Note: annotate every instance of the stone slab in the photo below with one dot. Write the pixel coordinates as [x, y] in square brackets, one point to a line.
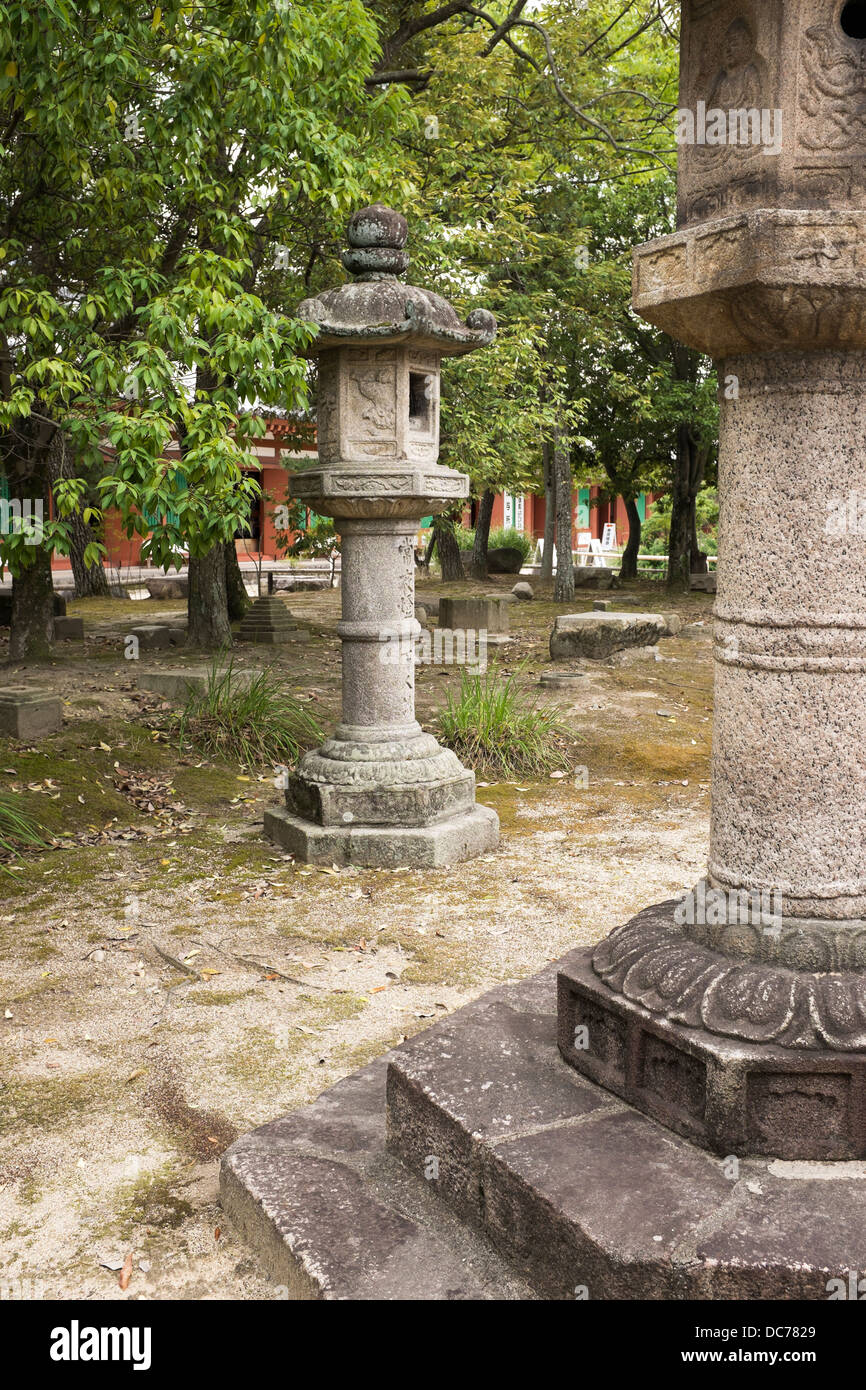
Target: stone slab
[386, 847]
[703, 583]
[634, 656]
[6, 608]
[151, 637]
[490, 615]
[29, 714]
[594, 577]
[175, 683]
[595, 636]
[68, 629]
[274, 638]
[332, 1216]
[544, 1184]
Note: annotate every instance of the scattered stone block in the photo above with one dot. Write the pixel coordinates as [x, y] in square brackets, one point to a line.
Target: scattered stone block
[269, 621]
[703, 583]
[523, 591]
[634, 656]
[488, 614]
[421, 615]
[594, 577]
[595, 636]
[504, 559]
[152, 637]
[29, 714]
[601, 605]
[177, 636]
[693, 632]
[6, 608]
[69, 629]
[561, 680]
[176, 682]
[431, 606]
[169, 587]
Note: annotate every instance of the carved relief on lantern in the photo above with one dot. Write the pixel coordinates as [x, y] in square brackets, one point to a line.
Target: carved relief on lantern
[729, 154]
[370, 403]
[832, 89]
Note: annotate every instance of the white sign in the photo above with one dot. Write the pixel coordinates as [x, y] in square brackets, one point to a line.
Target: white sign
[608, 538]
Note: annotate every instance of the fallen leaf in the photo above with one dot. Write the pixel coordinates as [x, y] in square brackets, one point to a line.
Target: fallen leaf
[126, 1272]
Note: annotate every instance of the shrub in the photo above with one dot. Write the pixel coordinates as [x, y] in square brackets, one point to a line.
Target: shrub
[508, 537]
[493, 725]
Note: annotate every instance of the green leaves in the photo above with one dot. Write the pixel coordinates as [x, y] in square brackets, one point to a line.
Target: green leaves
[153, 160]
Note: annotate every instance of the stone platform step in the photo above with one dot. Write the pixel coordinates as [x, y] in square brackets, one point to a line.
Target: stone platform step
[333, 1216]
[481, 1166]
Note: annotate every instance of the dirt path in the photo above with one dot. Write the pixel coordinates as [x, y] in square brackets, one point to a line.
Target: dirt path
[168, 979]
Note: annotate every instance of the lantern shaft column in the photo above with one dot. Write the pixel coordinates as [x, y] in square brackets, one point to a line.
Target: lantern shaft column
[378, 629]
[738, 1015]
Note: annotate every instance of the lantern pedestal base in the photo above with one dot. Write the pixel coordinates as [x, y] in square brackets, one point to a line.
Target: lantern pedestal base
[449, 841]
[632, 1018]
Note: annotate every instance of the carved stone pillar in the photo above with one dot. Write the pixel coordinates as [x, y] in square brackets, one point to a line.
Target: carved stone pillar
[380, 792]
[739, 1018]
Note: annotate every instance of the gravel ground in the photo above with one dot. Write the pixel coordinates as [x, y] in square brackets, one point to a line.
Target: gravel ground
[168, 979]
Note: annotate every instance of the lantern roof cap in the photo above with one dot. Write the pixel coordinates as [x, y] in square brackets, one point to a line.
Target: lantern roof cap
[375, 307]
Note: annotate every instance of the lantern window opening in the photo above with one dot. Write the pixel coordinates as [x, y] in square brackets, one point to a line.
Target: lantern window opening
[853, 19]
[420, 400]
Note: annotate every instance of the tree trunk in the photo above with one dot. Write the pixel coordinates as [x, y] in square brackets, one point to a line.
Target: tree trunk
[698, 560]
[237, 598]
[563, 591]
[207, 605]
[32, 631]
[91, 581]
[478, 564]
[549, 513]
[691, 461]
[628, 569]
[448, 550]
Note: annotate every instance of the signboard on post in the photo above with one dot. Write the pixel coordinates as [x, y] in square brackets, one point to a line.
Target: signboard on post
[608, 536]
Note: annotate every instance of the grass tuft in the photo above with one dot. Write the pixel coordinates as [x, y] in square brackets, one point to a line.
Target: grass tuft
[252, 722]
[18, 831]
[495, 727]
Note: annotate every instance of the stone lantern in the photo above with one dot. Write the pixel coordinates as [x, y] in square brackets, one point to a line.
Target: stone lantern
[380, 791]
[739, 1017]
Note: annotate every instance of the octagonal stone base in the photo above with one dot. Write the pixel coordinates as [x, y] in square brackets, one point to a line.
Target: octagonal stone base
[544, 1184]
[449, 841]
[731, 1096]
